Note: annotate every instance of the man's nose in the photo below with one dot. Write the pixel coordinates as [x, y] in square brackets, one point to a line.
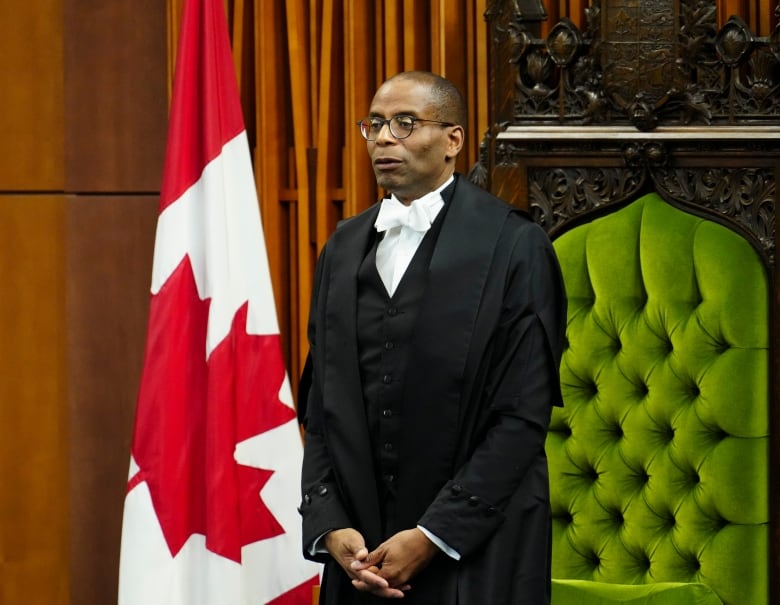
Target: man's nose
[384, 135]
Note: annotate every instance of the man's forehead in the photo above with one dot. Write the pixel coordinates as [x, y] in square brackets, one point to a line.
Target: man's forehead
[403, 95]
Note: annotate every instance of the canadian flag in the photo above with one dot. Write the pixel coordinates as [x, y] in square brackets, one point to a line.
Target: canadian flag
[210, 512]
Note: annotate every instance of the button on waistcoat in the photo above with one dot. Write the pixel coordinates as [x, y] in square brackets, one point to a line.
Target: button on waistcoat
[384, 327]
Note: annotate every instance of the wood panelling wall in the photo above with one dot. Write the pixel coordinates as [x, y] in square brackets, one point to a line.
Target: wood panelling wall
[32, 126]
[34, 536]
[116, 109]
[757, 14]
[83, 112]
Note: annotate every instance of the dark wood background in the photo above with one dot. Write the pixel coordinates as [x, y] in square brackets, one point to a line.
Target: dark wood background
[83, 114]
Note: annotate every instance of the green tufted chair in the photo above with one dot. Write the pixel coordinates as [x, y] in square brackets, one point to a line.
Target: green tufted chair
[659, 458]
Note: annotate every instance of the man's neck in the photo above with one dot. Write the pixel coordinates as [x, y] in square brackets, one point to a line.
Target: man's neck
[409, 201]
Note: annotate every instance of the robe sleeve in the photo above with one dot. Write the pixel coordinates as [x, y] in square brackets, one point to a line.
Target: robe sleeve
[521, 387]
[321, 507]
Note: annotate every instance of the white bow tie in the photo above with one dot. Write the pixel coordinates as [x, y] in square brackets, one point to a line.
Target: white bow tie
[393, 213]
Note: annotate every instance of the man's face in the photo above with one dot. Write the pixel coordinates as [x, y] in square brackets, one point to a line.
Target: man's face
[423, 161]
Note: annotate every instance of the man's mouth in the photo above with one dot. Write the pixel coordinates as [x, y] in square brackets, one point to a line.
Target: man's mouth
[386, 163]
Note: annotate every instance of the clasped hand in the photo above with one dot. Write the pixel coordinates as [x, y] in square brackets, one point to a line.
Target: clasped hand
[385, 571]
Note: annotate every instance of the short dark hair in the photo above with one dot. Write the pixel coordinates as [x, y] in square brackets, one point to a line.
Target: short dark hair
[448, 100]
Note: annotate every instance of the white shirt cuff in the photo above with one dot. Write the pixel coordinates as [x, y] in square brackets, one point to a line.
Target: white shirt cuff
[443, 546]
[318, 546]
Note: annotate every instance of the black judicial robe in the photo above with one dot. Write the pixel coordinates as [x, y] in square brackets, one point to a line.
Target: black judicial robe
[478, 391]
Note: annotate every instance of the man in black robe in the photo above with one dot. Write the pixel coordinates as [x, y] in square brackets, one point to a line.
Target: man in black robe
[436, 327]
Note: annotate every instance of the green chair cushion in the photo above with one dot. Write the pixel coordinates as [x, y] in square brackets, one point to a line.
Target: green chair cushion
[583, 592]
[659, 459]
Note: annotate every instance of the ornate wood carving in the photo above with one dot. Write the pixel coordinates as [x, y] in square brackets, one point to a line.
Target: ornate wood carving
[745, 195]
[639, 62]
[560, 197]
[649, 95]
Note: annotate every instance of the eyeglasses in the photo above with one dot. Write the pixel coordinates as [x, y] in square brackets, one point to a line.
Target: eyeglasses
[400, 126]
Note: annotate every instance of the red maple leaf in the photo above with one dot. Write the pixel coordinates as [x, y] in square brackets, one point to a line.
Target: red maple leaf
[192, 413]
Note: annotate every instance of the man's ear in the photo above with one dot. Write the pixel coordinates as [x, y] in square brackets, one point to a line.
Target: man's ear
[455, 141]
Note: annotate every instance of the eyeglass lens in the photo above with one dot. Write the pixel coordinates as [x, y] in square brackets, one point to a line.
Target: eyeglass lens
[400, 127]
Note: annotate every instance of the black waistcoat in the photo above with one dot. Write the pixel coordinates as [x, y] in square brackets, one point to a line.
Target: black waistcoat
[384, 328]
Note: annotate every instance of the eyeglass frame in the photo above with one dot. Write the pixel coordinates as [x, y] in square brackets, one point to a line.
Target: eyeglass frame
[388, 121]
